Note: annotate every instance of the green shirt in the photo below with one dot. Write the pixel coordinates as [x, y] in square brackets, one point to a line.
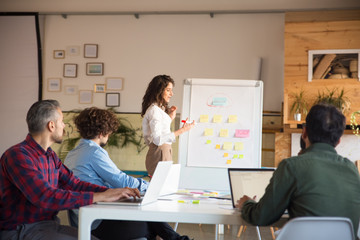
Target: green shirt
[317, 183]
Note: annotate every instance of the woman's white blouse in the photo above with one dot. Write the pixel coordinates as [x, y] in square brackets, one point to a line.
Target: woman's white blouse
[156, 126]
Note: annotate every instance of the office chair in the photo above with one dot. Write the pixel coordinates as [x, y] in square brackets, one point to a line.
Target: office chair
[317, 228]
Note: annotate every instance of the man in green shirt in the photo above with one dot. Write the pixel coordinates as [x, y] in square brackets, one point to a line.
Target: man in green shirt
[319, 182]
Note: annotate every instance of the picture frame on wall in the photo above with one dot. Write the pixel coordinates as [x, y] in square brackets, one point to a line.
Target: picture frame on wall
[94, 69]
[73, 50]
[114, 83]
[113, 99]
[99, 88]
[90, 50]
[85, 96]
[54, 84]
[70, 70]
[59, 54]
[70, 90]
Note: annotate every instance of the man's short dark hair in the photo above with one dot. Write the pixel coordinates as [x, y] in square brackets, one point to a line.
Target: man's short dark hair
[325, 124]
[40, 113]
[91, 122]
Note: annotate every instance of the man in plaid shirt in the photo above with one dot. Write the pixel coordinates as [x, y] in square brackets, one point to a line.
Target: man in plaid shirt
[35, 185]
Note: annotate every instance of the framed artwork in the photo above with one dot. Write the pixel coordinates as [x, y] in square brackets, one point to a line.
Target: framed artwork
[70, 70]
[94, 69]
[73, 50]
[85, 96]
[99, 88]
[70, 90]
[112, 99]
[90, 50]
[59, 54]
[114, 83]
[54, 84]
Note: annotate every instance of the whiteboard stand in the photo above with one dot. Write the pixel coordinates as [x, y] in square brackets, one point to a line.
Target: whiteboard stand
[237, 106]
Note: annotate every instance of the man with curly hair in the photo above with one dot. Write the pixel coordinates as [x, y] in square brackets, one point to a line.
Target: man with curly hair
[91, 163]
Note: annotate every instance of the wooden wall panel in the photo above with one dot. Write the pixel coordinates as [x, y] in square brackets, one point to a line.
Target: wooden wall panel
[303, 36]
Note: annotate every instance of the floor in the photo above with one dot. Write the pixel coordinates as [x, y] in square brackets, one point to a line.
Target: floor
[207, 232]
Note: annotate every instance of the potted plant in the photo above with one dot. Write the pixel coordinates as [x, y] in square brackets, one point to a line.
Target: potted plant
[299, 105]
[333, 97]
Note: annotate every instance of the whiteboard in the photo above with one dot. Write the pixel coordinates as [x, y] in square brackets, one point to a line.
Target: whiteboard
[348, 147]
[228, 116]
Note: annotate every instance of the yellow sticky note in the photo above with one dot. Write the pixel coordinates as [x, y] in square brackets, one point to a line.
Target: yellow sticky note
[224, 133]
[235, 156]
[208, 141]
[217, 119]
[226, 154]
[228, 161]
[239, 146]
[241, 155]
[232, 118]
[217, 146]
[208, 132]
[227, 146]
[204, 118]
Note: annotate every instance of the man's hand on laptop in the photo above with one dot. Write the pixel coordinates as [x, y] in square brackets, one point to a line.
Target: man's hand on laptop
[113, 194]
[242, 200]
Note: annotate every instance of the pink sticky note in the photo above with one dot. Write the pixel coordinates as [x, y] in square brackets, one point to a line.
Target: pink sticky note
[242, 133]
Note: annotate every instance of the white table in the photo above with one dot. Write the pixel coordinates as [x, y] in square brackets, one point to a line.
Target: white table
[206, 212]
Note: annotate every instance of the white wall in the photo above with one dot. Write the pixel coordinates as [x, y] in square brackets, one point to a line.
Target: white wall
[19, 78]
[183, 46]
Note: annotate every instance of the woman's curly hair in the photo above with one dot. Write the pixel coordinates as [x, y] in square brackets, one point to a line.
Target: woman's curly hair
[91, 122]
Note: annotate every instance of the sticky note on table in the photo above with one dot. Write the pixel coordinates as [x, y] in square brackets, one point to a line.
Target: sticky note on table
[217, 119]
[228, 161]
[208, 141]
[232, 119]
[226, 154]
[227, 145]
[242, 133]
[208, 132]
[204, 118]
[241, 155]
[224, 133]
[217, 146]
[239, 146]
[235, 156]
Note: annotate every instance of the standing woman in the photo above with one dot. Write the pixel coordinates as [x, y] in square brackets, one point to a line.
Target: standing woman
[157, 120]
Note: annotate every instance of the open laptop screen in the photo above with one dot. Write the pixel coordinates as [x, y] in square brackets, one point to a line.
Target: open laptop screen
[248, 181]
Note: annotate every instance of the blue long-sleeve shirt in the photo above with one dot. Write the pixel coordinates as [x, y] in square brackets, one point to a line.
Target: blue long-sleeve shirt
[91, 163]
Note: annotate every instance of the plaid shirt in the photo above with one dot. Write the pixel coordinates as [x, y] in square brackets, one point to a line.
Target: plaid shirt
[35, 185]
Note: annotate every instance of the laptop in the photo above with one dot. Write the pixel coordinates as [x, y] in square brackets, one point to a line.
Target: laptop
[153, 192]
[171, 184]
[248, 181]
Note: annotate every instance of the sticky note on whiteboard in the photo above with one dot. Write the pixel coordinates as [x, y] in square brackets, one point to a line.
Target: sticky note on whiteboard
[217, 119]
[232, 119]
[219, 101]
[208, 132]
[204, 118]
[224, 133]
[227, 145]
[238, 146]
[242, 133]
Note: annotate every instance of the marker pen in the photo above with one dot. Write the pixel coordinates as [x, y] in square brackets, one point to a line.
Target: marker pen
[183, 121]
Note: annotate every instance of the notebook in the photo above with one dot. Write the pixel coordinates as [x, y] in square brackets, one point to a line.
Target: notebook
[153, 192]
[248, 181]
